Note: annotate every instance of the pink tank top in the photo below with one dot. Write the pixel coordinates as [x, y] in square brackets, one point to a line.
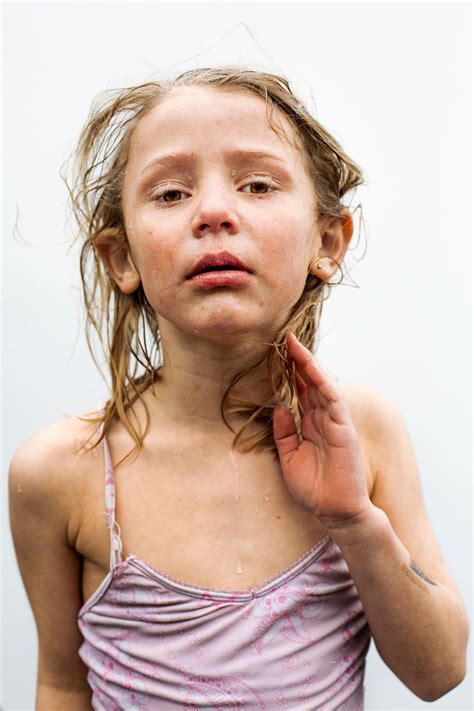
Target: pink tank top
[298, 641]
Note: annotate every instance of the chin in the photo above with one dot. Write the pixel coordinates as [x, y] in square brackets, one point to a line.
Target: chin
[223, 320]
[222, 327]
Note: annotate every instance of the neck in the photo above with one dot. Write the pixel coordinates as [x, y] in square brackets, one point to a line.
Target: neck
[197, 371]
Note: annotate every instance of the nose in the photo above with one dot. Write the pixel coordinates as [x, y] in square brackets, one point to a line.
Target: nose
[215, 211]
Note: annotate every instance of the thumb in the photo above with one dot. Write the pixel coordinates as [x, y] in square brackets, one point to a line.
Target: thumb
[284, 432]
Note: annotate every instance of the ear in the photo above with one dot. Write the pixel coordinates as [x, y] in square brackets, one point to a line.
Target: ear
[112, 247]
[335, 236]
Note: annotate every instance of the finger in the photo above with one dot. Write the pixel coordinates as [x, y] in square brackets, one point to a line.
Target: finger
[311, 370]
[325, 394]
[307, 393]
[303, 397]
[313, 397]
[303, 401]
[321, 388]
[284, 432]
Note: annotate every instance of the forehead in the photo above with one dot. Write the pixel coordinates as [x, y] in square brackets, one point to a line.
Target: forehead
[212, 116]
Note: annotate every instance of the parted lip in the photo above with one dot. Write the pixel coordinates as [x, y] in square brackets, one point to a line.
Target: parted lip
[217, 259]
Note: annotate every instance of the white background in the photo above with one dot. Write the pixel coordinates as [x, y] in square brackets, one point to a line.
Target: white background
[393, 84]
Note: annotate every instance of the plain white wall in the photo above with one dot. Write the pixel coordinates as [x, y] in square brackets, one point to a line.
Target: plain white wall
[392, 82]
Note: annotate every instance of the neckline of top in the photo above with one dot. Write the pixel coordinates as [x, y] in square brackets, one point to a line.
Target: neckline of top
[274, 582]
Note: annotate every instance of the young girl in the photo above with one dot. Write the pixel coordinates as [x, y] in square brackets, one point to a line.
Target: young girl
[271, 519]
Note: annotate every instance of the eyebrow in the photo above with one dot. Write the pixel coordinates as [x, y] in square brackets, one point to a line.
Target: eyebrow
[237, 155]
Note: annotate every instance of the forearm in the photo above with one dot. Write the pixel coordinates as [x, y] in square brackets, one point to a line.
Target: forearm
[419, 627]
[52, 698]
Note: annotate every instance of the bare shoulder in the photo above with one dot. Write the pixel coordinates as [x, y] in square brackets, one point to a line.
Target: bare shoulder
[56, 445]
[382, 431]
[368, 408]
[371, 409]
[378, 420]
[355, 395]
[49, 466]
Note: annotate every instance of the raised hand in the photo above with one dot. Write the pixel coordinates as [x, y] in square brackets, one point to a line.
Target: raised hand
[324, 471]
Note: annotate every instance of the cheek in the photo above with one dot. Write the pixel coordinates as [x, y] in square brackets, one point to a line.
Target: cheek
[159, 257]
[165, 259]
[287, 254]
[285, 249]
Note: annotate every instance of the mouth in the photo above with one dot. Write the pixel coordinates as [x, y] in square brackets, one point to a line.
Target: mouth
[223, 268]
[221, 276]
[218, 262]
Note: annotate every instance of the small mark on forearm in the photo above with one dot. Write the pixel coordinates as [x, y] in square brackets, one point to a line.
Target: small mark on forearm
[419, 572]
[415, 573]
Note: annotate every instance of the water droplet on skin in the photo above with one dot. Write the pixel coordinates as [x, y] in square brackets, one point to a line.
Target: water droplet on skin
[238, 569]
[233, 172]
[18, 488]
[236, 470]
[266, 494]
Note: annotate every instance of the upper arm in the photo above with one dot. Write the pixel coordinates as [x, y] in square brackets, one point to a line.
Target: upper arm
[397, 487]
[40, 494]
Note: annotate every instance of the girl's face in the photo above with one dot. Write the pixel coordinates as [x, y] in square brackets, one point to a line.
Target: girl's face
[207, 174]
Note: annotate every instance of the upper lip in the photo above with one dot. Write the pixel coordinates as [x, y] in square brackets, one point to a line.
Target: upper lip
[217, 259]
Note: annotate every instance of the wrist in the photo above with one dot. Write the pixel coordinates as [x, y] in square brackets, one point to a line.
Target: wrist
[359, 529]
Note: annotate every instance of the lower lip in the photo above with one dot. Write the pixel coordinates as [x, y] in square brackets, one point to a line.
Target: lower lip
[224, 277]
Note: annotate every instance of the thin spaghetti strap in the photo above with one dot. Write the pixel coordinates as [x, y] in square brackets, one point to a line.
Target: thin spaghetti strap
[109, 495]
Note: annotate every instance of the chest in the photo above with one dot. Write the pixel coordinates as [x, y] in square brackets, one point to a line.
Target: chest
[213, 518]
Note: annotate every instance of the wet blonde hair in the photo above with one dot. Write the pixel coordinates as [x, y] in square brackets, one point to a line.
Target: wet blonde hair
[122, 321]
